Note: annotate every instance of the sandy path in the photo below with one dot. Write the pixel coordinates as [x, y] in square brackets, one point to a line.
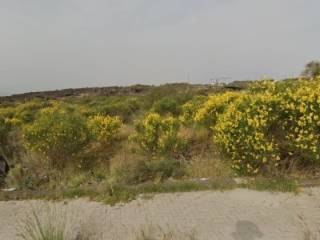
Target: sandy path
[236, 215]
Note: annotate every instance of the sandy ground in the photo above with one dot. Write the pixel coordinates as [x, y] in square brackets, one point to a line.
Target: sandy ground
[236, 215]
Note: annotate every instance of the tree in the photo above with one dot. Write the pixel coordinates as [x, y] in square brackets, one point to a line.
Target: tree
[312, 69]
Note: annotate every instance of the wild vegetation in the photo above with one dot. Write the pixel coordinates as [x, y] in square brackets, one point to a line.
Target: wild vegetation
[270, 129]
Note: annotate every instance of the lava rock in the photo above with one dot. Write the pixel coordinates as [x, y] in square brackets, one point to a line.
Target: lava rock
[4, 169]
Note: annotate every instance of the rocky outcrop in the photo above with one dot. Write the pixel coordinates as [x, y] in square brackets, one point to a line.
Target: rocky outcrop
[4, 169]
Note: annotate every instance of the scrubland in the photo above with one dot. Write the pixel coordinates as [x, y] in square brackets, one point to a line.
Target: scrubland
[170, 138]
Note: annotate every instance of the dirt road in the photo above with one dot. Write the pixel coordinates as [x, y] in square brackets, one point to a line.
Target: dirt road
[232, 215]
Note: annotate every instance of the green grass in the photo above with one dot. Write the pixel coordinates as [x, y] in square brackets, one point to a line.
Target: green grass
[115, 193]
[273, 185]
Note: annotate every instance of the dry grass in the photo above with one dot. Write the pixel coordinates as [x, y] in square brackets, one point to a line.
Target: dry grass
[46, 223]
[208, 167]
[52, 223]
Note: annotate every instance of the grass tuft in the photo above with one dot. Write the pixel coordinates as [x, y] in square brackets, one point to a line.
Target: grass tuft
[50, 226]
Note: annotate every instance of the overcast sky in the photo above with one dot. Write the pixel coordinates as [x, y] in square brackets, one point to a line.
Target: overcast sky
[46, 44]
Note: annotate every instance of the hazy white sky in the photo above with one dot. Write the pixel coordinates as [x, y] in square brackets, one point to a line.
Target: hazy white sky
[48, 44]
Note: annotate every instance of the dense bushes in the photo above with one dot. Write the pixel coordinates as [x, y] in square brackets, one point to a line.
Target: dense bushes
[124, 107]
[245, 132]
[276, 127]
[269, 127]
[300, 122]
[166, 106]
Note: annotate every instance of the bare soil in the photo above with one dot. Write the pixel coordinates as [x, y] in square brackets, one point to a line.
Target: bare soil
[238, 214]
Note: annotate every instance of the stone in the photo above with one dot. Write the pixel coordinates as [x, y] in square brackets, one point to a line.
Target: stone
[4, 169]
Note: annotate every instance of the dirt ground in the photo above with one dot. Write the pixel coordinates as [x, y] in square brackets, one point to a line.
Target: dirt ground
[238, 214]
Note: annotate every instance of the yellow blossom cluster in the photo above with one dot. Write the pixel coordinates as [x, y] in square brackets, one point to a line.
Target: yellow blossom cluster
[209, 113]
[156, 134]
[243, 132]
[301, 121]
[104, 128]
[190, 108]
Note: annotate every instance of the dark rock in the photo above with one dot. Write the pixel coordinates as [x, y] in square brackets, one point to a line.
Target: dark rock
[4, 169]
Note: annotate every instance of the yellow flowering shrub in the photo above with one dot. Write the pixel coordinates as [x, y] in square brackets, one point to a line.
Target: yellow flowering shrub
[300, 110]
[57, 134]
[273, 126]
[104, 128]
[209, 113]
[243, 133]
[156, 134]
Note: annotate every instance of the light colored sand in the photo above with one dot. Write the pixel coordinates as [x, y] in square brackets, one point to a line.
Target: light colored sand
[233, 215]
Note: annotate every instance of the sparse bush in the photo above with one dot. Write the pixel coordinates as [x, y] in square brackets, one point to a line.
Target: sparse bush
[147, 170]
[104, 128]
[158, 135]
[57, 134]
[21, 177]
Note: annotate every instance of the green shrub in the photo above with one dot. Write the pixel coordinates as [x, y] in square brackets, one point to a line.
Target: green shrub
[190, 108]
[158, 135]
[144, 170]
[125, 107]
[22, 178]
[166, 106]
[27, 112]
[5, 128]
[57, 134]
